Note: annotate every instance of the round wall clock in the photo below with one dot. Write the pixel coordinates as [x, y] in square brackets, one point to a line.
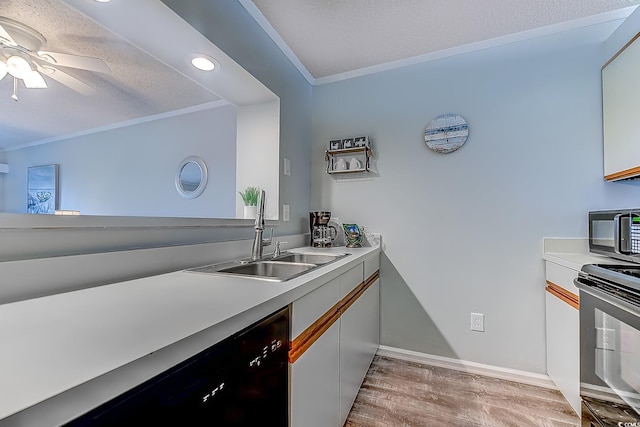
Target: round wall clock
[446, 133]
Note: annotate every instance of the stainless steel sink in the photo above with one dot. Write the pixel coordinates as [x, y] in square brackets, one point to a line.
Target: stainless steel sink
[309, 258]
[273, 269]
[285, 267]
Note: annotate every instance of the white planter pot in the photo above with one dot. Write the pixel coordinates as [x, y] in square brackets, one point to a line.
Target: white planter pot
[250, 212]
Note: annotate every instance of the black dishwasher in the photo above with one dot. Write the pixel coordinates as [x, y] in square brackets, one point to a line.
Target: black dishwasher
[241, 381]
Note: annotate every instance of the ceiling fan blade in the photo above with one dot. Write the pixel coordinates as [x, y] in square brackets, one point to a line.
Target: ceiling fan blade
[6, 37]
[75, 61]
[67, 80]
[34, 81]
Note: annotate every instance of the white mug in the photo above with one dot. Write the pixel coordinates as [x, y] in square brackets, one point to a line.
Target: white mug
[340, 165]
[355, 164]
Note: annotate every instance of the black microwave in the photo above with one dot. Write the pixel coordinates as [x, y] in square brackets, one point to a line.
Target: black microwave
[615, 233]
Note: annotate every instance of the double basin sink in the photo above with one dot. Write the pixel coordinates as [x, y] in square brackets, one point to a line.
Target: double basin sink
[275, 269]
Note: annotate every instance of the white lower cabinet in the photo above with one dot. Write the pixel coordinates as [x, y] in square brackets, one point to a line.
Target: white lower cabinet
[359, 339]
[563, 348]
[315, 377]
[563, 333]
[326, 376]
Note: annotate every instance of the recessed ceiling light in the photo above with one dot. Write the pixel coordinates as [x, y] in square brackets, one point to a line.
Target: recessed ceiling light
[103, 1]
[204, 63]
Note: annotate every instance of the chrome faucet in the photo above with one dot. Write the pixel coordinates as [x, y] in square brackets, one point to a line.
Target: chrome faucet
[276, 250]
[258, 241]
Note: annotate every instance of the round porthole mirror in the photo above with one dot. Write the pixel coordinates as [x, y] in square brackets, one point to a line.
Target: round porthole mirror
[191, 177]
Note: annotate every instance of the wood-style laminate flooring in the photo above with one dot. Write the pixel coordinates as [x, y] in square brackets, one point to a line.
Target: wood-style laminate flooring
[397, 393]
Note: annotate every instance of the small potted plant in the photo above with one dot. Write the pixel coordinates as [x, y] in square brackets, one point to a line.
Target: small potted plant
[250, 198]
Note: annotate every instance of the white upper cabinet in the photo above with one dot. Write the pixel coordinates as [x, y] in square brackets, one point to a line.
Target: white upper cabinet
[620, 112]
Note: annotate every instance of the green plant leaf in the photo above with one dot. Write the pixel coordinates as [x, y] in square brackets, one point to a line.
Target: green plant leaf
[250, 195]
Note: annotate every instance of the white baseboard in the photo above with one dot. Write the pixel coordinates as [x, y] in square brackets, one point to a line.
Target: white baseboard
[539, 380]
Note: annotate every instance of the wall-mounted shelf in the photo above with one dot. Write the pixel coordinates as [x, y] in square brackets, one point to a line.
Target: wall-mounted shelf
[351, 160]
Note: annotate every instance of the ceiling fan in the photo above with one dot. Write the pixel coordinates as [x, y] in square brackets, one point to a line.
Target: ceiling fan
[22, 58]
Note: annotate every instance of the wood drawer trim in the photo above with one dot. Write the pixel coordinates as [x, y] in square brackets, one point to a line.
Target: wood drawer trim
[302, 342]
[625, 174]
[567, 296]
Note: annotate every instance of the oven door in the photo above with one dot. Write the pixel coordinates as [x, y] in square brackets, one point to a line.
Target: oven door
[609, 355]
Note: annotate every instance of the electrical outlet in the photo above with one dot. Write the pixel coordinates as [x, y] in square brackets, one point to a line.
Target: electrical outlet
[477, 322]
[605, 339]
[285, 212]
[287, 166]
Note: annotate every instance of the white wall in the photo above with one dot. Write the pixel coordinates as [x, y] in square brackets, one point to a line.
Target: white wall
[258, 148]
[463, 231]
[130, 171]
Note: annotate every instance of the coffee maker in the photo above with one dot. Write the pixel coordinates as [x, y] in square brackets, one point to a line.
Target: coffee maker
[322, 234]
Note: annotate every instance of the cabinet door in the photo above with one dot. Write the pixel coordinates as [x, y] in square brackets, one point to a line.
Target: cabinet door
[563, 348]
[620, 87]
[371, 329]
[359, 338]
[315, 380]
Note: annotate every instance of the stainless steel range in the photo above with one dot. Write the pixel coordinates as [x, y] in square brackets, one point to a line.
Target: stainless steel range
[610, 344]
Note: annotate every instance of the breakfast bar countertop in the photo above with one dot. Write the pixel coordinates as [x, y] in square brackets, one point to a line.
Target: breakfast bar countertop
[96, 343]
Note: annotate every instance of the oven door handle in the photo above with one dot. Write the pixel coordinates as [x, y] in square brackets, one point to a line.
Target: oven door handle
[583, 285]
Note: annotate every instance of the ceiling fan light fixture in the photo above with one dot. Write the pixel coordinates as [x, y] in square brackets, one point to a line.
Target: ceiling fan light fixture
[204, 63]
[3, 70]
[34, 80]
[18, 67]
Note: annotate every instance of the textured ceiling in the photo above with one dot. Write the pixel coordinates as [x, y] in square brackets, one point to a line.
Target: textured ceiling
[331, 37]
[138, 86]
[327, 38]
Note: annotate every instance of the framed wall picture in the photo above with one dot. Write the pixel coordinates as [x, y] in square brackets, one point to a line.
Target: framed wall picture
[42, 189]
[336, 144]
[360, 142]
[347, 143]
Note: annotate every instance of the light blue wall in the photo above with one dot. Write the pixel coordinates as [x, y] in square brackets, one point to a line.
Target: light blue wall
[463, 231]
[130, 171]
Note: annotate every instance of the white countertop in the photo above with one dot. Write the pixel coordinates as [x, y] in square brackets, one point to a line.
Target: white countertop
[55, 343]
[573, 253]
[575, 261]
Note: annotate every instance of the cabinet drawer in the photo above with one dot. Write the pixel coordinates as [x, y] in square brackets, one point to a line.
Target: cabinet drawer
[561, 276]
[312, 306]
[350, 279]
[371, 265]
